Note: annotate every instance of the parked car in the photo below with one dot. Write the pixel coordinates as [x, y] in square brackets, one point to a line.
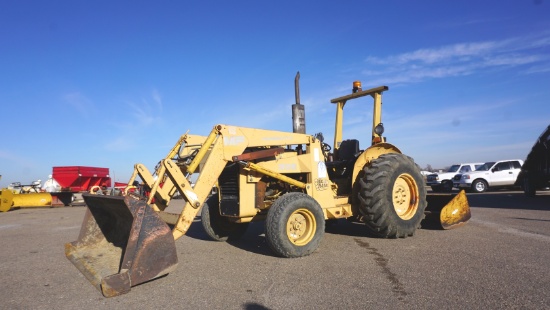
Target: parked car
[443, 182]
[535, 172]
[502, 173]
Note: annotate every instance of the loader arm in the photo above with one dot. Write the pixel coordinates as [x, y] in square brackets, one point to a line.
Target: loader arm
[162, 187]
[223, 144]
[173, 152]
[219, 148]
[195, 197]
[162, 194]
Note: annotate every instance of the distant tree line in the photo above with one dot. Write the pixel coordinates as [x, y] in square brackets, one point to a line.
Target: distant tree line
[431, 169]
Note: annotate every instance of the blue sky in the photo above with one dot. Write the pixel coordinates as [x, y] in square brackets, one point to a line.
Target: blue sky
[114, 83]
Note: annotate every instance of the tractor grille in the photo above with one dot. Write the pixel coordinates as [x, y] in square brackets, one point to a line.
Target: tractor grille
[229, 190]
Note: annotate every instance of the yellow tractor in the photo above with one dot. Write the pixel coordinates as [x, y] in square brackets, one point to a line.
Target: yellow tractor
[293, 181]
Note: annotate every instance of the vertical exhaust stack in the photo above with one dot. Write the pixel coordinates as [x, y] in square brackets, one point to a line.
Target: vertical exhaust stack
[298, 110]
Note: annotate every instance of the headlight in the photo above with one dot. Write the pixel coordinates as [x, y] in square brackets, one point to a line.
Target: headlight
[379, 129]
[466, 177]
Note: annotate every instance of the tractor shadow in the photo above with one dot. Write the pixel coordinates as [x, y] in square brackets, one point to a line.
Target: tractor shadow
[254, 240]
[509, 200]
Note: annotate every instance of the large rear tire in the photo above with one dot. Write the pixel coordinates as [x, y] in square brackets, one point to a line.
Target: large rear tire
[295, 225]
[218, 227]
[392, 197]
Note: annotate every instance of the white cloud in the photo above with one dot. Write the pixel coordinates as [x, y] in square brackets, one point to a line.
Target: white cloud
[537, 69]
[157, 98]
[148, 111]
[80, 102]
[512, 60]
[120, 143]
[135, 122]
[458, 60]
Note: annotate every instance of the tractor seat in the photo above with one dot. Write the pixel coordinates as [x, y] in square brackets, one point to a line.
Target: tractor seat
[348, 150]
[344, 159]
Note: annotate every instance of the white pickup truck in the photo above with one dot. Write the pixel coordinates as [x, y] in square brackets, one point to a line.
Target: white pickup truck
[502, 173]
[443, 182]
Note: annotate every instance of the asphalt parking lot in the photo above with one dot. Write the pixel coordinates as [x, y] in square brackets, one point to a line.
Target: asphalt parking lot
[498, 260]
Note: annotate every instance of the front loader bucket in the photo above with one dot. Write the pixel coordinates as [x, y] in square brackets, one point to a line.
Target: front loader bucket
[447, 211]
[122, 243]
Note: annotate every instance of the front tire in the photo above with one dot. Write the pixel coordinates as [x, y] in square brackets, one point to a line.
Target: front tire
[447, 186]
[479, 186]
[218, 227]
[295, 225]
[392, 197]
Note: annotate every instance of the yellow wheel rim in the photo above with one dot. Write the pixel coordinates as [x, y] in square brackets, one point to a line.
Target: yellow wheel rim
[405, 196]
[300, 227]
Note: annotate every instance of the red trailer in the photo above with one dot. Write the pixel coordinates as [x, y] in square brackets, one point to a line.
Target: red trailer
[80, 178]
[75, 179]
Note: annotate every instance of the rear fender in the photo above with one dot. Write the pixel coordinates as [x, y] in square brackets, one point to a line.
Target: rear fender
[370, 154]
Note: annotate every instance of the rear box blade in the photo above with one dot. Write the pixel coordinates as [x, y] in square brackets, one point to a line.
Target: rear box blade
[447, 211]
